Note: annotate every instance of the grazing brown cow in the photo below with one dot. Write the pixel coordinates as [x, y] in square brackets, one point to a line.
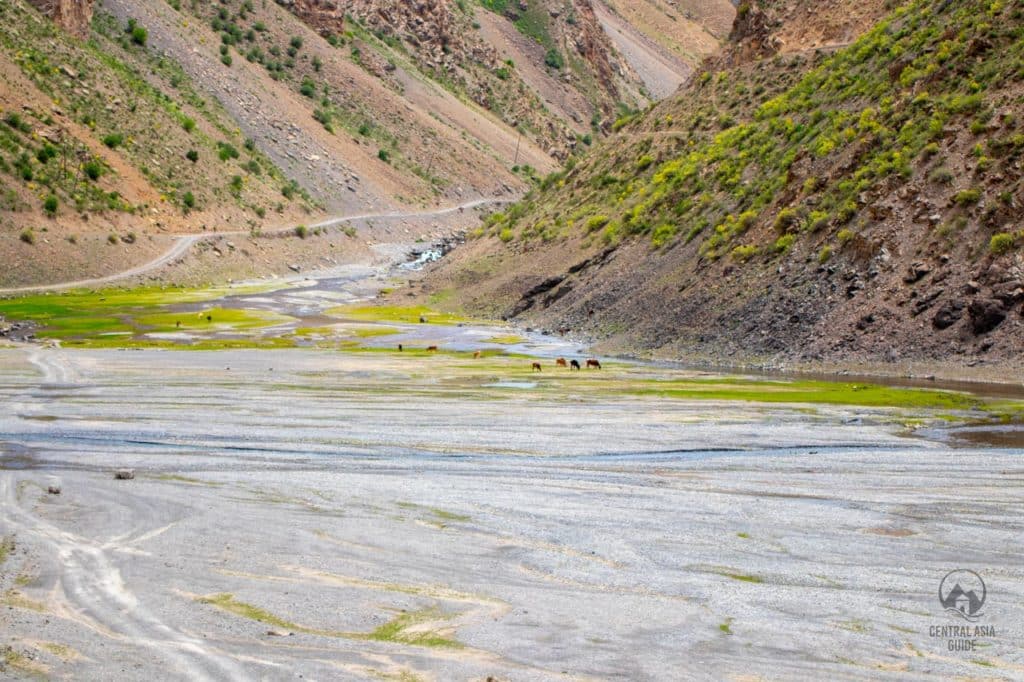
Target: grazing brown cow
[574, 365]
[560, 362]
[432, 349]
[537, 367]
[476, 355]
[593, 363]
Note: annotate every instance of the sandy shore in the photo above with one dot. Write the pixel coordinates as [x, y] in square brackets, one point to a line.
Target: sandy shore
[331, 516]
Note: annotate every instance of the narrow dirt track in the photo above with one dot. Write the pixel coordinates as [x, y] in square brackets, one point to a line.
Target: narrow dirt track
[185, 242]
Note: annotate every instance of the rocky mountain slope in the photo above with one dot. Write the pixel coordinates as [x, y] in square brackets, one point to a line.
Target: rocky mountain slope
[98, 158]
[842, 202]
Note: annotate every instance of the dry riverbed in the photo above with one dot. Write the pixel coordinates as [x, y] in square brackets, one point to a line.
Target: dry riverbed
[370, 515]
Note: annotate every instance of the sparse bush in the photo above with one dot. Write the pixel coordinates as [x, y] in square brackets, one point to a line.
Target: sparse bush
[967, 197]
[140, 36]
[825, 254]
[45, 153]
[786, 219]
[192, 155]
[112, 238]
[662, 234]
[817, 220]
[384, 155]
[308, 87]
[941, 175]
[50, 204]
[28, 236]
[226, 60]
[744, 253]
[554, 59]
[129, 238]
[301, 231]
[113, 140]
[783, 243]
[93, 170]
[596, 222]
[189, 124]
[188, 201]
[845, 235]
[644, 162]
[226, 151]
[1001, 243]
[506, 235]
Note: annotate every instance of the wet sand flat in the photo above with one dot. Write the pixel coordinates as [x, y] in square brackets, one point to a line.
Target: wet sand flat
[367, 516]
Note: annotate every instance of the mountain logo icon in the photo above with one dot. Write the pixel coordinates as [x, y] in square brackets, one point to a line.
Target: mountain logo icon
[962, 593]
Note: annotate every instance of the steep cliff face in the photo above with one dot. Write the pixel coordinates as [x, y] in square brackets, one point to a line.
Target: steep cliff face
[585, 37]
[73, 16]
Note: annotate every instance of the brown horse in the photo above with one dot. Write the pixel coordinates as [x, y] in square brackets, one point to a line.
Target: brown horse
[560, 362]
[593, 363]
[431, 349]
[574, 365]
[537, 367]
[476, 355]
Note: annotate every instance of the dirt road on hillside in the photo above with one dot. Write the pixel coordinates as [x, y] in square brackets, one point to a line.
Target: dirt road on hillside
[184, 243]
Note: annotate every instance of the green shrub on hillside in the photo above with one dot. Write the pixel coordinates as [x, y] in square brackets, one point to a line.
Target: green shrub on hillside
[1002, 243]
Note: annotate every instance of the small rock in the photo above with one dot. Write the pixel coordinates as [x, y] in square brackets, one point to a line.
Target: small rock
[948, 314]
[124, 474]
[916, 272]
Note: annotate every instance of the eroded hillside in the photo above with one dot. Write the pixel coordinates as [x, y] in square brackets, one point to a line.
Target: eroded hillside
[857, 201]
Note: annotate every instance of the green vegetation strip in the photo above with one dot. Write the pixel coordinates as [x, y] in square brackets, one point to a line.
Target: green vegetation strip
[406, 628]
[6, 547]
[394, 313]
[813, 392]
[117, 318]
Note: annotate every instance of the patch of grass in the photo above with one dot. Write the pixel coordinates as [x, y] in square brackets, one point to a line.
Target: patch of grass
[60, 650]
[227, 602]
[812, 392]
[116, 317]
[403, 630]
[507, 340]
[6, 548]
[393, 313]
[177, 478]
[406, 628]
[726, 627]
[16, 599]
[745, 536]
[742, 577]
[22, 663]
[449, 516]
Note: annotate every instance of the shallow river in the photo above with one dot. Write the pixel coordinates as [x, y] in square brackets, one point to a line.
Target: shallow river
[323, 515]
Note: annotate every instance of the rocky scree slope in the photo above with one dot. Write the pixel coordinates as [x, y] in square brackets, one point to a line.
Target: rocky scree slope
[851, 203]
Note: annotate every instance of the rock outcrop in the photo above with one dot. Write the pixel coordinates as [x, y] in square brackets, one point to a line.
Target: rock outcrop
[326, 16]
[74, 16]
